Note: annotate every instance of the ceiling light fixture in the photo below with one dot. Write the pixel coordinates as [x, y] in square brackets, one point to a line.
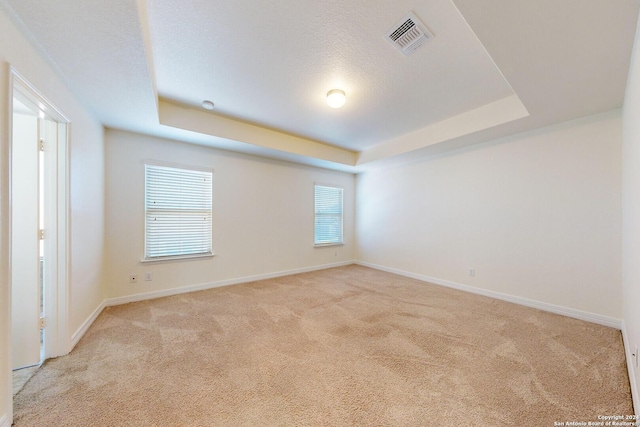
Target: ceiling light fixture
[207, 105]
[336, 98]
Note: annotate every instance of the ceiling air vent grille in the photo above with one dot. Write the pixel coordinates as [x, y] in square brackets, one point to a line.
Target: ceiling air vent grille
[409, 34]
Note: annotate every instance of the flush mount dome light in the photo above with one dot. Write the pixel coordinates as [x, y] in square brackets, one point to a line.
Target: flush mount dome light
[207, 105]
[336, 98]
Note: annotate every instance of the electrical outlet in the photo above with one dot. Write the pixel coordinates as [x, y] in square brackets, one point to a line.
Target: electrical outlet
[148, 277]
[472, 272]
[336, 253]
[133, 278]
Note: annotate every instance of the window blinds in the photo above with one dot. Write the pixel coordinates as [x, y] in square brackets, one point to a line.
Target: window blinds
[328, 215]
[178, 212]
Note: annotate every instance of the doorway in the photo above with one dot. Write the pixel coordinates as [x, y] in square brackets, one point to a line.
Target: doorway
[38, 266]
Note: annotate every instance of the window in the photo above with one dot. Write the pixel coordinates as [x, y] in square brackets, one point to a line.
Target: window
[328, 217]
[177, 212]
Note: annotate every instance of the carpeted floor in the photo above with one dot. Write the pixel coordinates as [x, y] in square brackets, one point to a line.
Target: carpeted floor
[21, 376]
[349, 346]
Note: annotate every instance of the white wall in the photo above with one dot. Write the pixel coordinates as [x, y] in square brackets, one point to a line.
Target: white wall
[631, 215]
[87, 207]
[537, 215]
[262, 222]
[87, 192]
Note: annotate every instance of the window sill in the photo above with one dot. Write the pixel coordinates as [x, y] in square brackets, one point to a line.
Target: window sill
[177, 258]
[322, 245]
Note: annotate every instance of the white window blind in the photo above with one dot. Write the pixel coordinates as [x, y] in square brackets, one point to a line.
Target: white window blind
[328, 215]
[178, 212]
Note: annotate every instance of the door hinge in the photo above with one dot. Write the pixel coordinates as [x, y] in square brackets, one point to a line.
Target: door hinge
[41, 148]
[41, 234]
[43, 323]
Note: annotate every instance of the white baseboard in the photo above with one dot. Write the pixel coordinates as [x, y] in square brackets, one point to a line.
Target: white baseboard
[203, 286]
[557, 309]
[4, 421]
[86, 325]
[628, 350]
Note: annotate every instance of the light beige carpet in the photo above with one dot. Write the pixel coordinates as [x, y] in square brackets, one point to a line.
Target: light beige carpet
[349, 346]
[21, 376]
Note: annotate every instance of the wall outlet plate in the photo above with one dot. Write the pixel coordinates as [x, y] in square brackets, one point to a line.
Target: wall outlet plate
[133, 278]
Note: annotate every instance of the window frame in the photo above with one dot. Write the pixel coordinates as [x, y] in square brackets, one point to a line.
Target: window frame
[315, 216]
[188, 256]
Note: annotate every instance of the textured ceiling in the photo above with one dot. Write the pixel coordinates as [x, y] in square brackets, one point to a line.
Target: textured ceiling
[97, 48]
[494, 67]
[274, 65]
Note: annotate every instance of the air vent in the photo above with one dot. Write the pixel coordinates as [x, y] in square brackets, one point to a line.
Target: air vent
[409, 34]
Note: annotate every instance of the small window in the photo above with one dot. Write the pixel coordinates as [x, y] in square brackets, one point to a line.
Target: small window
[178, 212]
[328, 215]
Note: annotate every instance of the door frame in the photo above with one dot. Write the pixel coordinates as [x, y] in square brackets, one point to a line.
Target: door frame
[57, 341]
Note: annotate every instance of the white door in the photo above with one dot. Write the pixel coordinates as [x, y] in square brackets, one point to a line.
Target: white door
[39, 201]
[25, 236]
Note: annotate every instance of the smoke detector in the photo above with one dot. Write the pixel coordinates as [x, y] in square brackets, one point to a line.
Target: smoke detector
[409, 34]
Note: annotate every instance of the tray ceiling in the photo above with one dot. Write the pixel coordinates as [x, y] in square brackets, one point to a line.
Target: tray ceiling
[492, 68]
